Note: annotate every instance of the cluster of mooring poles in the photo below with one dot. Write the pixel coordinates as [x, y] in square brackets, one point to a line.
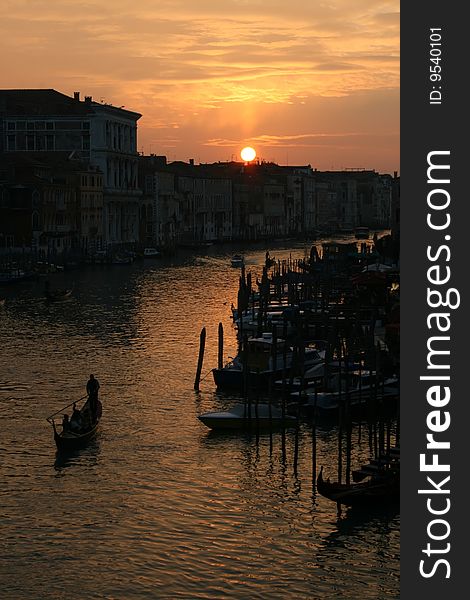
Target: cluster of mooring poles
[319, 340]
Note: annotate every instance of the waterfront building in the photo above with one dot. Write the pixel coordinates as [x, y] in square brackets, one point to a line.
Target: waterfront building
[374, 199]
[337, 200]
[103, 135]
[270, 200]
[206, 198]
[20, 208]
[278, 218]
[160, 210]
[301, 198]
[354, 197]
[325, 205]
[395, 214]
[91, 210]
[51, 203]
[184, 202]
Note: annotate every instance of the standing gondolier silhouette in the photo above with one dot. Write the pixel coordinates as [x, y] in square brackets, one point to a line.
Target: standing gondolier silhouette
[92, 387]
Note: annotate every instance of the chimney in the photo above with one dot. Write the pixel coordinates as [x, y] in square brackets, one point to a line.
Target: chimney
[87, 99]
[191, 161]
[76, 96]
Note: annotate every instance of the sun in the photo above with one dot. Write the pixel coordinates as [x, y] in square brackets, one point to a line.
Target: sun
[248, 154]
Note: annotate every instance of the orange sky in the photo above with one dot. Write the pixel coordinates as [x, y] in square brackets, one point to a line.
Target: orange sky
[303, 81]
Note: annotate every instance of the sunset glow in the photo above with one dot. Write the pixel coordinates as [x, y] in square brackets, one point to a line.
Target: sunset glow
[306, 82]
[248, 154]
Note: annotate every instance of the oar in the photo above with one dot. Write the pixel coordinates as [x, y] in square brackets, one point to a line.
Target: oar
[68, 405]
[207, 374]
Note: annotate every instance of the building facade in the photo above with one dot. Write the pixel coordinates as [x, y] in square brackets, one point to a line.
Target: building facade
[102, 135]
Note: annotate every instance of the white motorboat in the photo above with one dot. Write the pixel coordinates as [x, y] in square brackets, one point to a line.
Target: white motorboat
[377, 268]
[151, 253]
[356, 388]
[244, 416]
[312, 376]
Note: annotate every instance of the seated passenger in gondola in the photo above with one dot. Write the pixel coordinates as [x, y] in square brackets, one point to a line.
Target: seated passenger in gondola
[76, 419]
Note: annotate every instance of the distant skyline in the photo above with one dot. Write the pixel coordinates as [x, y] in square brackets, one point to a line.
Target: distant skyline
[301, 81]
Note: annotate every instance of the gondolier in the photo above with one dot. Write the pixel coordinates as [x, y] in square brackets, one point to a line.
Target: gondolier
[92, 388]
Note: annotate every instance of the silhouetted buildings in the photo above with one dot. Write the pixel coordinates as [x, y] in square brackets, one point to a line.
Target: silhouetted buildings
[103, 136]
[72, 181]
[51, 203]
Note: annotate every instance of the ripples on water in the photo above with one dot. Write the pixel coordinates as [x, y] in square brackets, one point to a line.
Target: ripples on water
[157, 506]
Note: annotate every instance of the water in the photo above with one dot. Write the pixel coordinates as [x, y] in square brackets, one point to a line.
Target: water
[157, 506]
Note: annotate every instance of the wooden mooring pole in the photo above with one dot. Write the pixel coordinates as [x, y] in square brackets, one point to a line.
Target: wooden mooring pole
[200, 360]
[220, 361]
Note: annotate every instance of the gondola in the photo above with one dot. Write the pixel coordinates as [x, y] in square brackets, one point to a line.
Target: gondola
[73, 440]
[385, 488]
[57, 295]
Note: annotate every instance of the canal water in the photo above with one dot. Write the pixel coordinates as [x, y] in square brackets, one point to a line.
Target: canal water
[157, 506]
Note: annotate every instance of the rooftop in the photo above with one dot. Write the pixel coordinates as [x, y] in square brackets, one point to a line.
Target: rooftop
[49, 102]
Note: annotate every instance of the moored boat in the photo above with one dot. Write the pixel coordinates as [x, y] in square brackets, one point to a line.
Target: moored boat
[248, 416]
[57, 295]
[377, 490]
[262, 363]
[14, 276]
[122, 259]
[355, 388]
[151, 253]
[313, 376]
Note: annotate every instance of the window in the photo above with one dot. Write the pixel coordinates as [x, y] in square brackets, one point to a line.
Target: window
[50, 125]
[30, 125]
[68, 125]
[11, 143]
[35, 221]
[40, 142]
[11, 125]
[30, 142]
[86, 125]
[49, 142]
